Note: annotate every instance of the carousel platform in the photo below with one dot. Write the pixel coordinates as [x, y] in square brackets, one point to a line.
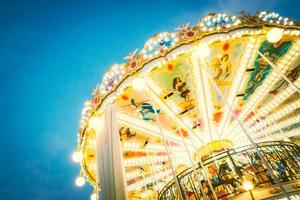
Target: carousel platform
[240, 174]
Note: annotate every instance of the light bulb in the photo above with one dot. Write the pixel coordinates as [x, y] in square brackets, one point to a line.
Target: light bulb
[138, 84]
[274, 35]
[248, 185]
[94, 196]
[203, 50]
[94, 122]
[77, 156]
[146, 194]
[80, 181]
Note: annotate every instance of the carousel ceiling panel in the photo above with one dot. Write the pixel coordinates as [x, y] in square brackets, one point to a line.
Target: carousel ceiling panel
[185, 93]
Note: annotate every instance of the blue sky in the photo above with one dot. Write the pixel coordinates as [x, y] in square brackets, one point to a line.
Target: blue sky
[52, 54]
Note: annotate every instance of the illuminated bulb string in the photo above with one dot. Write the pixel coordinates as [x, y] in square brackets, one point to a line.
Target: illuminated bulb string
[261, 91]
[248, 58]
[139, 125]
[295, 87]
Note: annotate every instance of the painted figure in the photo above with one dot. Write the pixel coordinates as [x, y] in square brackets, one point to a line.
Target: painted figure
[125, 133]
[261, 67]
[145, 109]
[181, 87]
[222, 67]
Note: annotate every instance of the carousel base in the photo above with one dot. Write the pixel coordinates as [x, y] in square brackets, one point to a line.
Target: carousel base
[228, 172]
[272, 192]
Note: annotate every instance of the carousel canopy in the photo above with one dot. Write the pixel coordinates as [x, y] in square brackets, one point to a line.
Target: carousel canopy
[202, 86]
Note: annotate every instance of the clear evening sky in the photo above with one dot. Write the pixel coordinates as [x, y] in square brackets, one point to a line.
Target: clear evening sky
[52, 55]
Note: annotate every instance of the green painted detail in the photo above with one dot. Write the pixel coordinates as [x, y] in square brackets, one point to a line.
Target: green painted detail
[261, 67]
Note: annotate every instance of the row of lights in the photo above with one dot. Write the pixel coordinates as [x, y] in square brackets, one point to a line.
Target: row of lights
[248, 58]
[139, 184]
[159, 43]
[202, 51]
[279, 98]
[273, 17]
[115, 74]
[280, 113]
[80, 181]
[280, 125]
[134, 146]
[219, 21]
[139, 172]
[147, 128]
[275, 127]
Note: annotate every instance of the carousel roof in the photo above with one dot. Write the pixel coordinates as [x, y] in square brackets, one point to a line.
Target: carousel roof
[197, 80]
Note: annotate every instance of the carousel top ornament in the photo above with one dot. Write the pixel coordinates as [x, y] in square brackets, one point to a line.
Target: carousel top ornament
[196, 86]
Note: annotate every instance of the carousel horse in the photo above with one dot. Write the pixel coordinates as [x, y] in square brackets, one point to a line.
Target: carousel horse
[280, 166]
[222, 176]
[145, 109]
[261, 172]
[225, 174]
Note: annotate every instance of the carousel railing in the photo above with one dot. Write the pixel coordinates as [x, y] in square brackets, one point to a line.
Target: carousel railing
[227, 171]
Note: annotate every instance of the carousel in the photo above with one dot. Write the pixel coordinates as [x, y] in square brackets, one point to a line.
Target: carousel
[211, 111]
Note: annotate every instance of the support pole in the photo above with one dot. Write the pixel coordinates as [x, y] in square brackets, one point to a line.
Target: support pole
[109, 158]
[208, 179]
[192, 164]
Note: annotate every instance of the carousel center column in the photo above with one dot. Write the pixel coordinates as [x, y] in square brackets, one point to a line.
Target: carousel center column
[110, 170]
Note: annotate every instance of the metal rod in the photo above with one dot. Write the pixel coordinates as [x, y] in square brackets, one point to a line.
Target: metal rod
[166, 147]
[208, 179]
[192, 163]
[275, 69]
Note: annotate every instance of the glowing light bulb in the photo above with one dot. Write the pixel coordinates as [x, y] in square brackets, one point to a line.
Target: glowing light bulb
[248, 185]
[94, 196]
[274, 35]
[80, 181]
[145, 194]
[203, 50]
[77, 156]
[94, 122]
[138, 84]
